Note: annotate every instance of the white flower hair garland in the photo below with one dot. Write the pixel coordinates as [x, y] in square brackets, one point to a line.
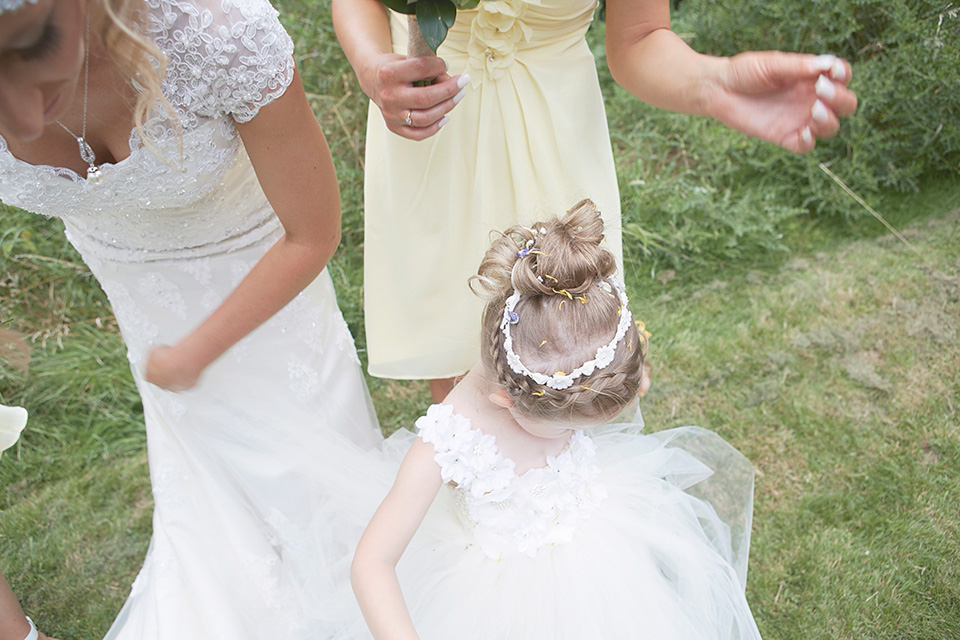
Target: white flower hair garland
[561, 380]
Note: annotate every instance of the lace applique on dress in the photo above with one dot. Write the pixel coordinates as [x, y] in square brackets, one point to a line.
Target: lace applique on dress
[304, 379]
[511, 513]
[193, 194]
[228, 57]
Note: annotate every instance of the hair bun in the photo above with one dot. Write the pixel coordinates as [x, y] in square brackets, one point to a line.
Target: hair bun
[559, 255]
[569, 256]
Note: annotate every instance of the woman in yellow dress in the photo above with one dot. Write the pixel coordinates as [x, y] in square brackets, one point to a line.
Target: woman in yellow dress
[529, 134]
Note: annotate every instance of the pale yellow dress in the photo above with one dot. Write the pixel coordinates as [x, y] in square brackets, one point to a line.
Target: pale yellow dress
[527, 142]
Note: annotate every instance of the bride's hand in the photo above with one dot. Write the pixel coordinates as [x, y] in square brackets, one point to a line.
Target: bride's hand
[785, 98]
[170, 369]
[411, 111]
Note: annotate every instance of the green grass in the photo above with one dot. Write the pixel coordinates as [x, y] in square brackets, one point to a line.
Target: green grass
[829, 358]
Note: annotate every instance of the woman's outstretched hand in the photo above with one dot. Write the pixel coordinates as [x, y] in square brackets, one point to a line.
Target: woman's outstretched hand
[411, 111]
[785, 98]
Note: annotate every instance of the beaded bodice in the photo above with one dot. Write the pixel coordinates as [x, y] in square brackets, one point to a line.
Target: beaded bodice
[512, 513]
[194, 193]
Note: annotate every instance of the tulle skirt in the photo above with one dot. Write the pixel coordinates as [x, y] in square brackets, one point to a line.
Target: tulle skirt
[664, 557]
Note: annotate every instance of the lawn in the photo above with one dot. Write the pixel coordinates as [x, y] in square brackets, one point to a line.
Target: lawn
[828, 356]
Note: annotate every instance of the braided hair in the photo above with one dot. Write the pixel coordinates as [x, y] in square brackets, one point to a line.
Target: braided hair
[567, 310]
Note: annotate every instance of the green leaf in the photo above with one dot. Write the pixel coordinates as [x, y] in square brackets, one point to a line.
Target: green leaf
[466, 4]
[400, 6]
[435, 18]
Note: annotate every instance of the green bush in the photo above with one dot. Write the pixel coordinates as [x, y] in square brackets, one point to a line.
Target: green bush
[695, 191]
[906, 58]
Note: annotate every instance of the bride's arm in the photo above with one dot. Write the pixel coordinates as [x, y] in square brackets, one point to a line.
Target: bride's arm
[293, 164]
[373, 573]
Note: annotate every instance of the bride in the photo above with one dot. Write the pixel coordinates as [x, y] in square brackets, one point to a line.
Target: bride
[174, 140]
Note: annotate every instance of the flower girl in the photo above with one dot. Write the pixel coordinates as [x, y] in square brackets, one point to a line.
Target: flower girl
[506, 520]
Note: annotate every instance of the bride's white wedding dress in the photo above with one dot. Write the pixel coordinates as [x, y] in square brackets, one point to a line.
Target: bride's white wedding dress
[230, 461]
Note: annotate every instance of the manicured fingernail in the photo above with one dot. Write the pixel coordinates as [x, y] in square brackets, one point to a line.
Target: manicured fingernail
[823, 63]
[819, 112]
[457, 98]
[463, 80]
[825, 88]
[446, 65]
[806, 136]
[838, 71]
[444, 120]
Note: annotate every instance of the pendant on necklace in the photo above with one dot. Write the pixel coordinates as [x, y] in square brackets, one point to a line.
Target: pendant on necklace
[86, 152]
[94, 174]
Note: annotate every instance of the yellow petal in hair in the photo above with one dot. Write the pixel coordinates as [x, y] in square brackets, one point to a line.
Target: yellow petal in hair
[589, 389]
[642, 328]
[543, 343]
[537, 393]
[547, 275]
[559, 373]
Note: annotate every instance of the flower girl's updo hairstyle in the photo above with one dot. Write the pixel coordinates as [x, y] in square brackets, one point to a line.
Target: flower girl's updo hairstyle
[553, 301]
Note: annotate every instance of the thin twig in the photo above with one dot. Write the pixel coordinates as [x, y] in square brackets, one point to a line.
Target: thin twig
[32, 256]
[876, 215]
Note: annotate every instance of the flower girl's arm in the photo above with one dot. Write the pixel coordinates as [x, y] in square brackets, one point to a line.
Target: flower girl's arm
[293, 163]
[373, 573]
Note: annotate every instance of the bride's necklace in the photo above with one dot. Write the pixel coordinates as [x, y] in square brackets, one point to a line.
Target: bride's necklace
[94, 174]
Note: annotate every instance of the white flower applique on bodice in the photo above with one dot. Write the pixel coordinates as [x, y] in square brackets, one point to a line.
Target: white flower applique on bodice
[194, 193]
[511, 513]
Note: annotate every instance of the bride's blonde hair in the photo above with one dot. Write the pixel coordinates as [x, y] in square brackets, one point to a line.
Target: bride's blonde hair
[118, 25]
[567, 310]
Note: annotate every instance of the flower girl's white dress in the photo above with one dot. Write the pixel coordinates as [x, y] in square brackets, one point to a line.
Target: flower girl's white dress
[622, 536]
[169, 233]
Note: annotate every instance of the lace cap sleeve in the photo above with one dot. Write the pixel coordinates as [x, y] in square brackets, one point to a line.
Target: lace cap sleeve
[226, 57]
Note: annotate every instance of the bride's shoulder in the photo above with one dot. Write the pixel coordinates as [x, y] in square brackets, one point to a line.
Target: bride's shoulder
[223, 56]
[223, 19]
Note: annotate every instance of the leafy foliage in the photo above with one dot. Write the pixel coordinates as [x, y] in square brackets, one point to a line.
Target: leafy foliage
[435, 17]
[906, 58]
[695, 191]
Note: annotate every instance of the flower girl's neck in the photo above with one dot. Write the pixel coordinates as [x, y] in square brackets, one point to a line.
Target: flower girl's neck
[525, 441]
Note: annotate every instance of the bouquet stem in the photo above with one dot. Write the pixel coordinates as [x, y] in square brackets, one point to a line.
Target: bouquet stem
[417, 47]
